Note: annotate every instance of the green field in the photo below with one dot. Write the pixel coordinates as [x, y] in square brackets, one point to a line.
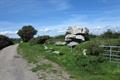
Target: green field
[69, 61]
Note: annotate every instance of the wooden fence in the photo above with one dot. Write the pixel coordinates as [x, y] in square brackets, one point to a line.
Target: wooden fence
[112, 53]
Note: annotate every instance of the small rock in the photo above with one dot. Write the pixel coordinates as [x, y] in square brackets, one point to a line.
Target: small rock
[56, 52]
[71, 44]
[45, 47]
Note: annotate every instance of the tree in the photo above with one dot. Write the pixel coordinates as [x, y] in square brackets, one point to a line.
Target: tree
[27, 33]
[110, 34]
[5, 41]
[107, 34]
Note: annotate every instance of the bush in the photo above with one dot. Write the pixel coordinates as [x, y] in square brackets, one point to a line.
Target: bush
[61, 37]
[111, 42]
[5, 41]
[16, 40]
[54, 39]
[92, 36]
[39, 40]
[90, 63]
[110, 34]
[93, 46]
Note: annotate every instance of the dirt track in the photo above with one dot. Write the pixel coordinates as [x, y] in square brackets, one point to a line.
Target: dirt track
[13, 67]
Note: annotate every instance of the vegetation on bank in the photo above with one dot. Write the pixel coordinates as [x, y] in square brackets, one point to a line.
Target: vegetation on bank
[90, 67]
[5, 41]
[93, 66]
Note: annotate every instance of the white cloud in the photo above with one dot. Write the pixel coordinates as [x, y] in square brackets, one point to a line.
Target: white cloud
[11, 34]
[62, 30]
[8, 32]
[47, 29]
[53, 30]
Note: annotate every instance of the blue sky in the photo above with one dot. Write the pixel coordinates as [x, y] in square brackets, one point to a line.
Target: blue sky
[54, 16]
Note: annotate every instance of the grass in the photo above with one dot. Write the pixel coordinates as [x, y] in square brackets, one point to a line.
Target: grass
[33, 53]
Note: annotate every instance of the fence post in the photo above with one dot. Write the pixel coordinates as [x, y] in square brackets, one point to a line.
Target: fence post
[110, 53]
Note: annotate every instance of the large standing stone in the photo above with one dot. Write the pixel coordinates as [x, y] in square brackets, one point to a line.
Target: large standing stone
[75, 34]
[77, 30]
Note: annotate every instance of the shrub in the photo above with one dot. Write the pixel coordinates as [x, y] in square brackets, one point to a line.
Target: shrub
[90, 63]
[39, 40]
[93, 46]
[112, 42]
[54, 39]
[92, 36]
[61, 37]
[110, 34]
[16, 40]
[5, 41]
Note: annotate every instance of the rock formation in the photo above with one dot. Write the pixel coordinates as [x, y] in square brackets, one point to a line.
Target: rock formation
[76, 34]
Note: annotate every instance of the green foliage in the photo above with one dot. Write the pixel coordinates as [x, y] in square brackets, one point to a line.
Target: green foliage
[52, 40]
[87, 37]
[92, 47]
[5, 41]
[92, 36]
[16, 40]
[27, 33]
[93, 61]
[39, 40]
[62, 37]
[90, 67]
[110, 34]
[90, 64]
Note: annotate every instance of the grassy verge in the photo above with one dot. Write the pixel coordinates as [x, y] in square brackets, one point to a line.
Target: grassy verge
[33, 53]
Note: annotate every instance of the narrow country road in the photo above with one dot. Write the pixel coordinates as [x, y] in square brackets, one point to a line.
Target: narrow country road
[13, 67]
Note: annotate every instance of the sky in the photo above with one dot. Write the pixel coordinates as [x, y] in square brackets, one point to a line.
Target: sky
[53, 17]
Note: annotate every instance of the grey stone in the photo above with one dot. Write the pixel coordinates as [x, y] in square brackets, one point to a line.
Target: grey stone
[45, 47]
[56, 52]
[71, 44]
[75, 35]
